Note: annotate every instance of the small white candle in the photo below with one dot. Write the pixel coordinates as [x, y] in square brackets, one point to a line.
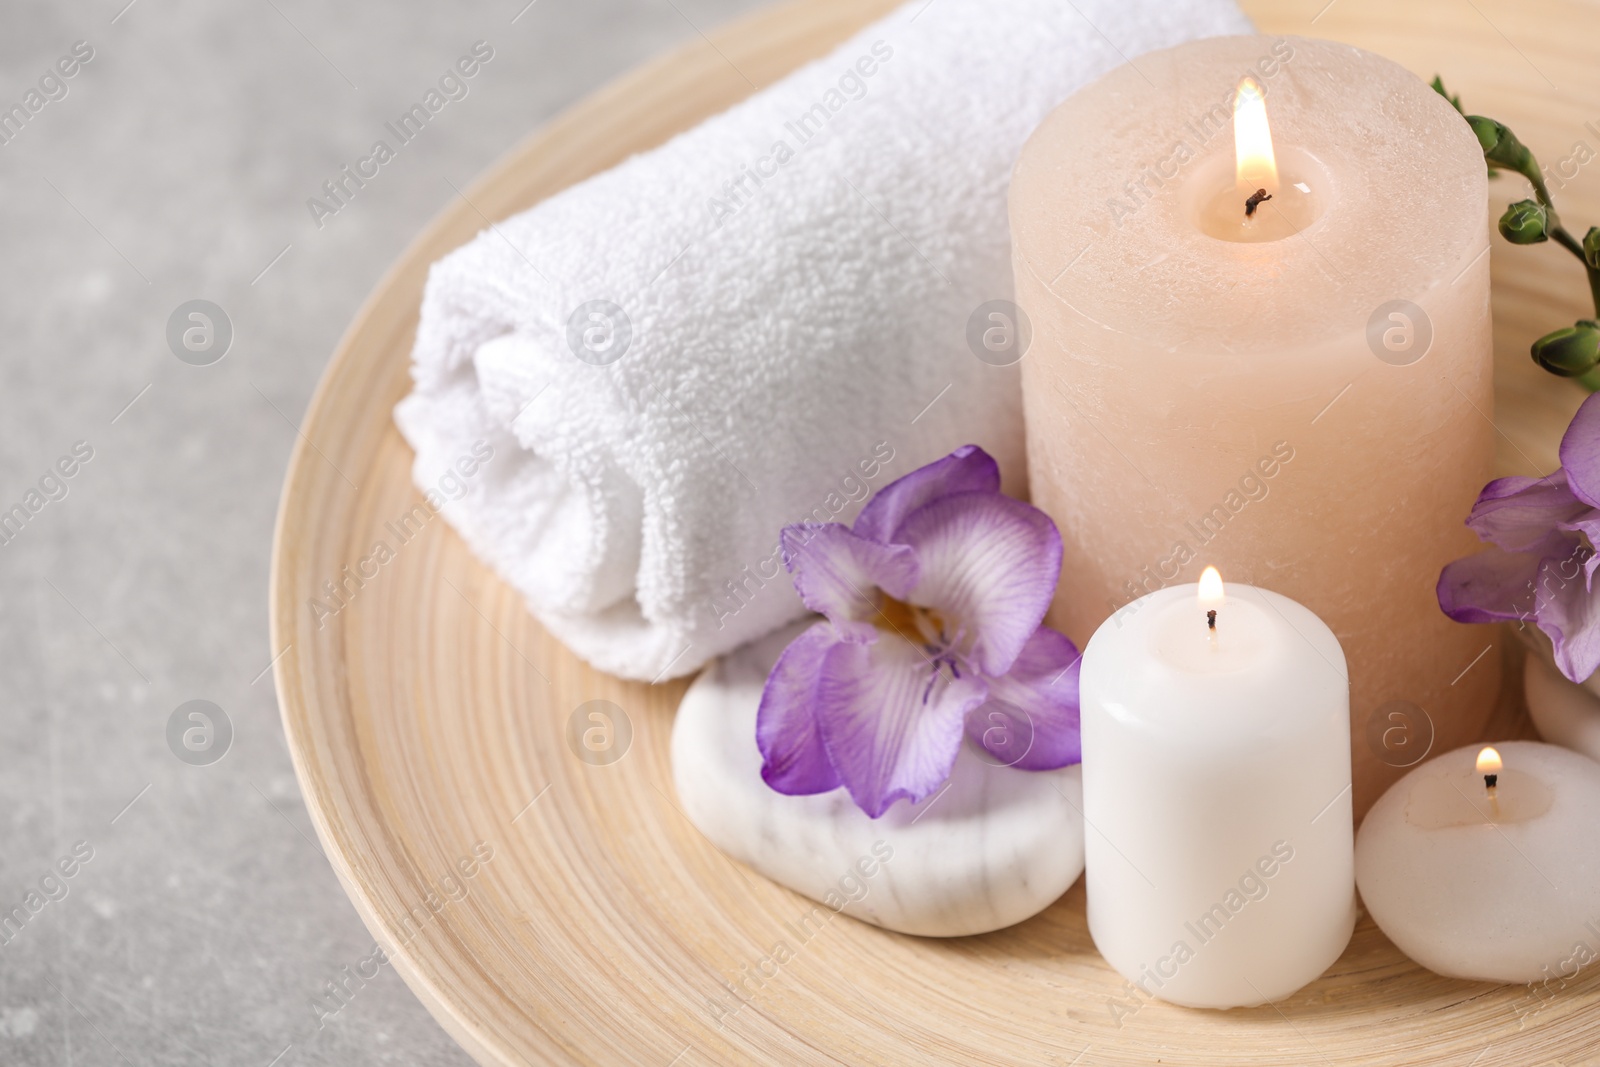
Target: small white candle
[1216, 794]
[1488, 879]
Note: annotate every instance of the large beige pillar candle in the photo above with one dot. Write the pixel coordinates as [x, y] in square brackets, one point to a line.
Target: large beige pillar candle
[1301, 397]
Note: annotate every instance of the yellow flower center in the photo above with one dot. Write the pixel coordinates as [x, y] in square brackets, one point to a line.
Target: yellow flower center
[911, 621]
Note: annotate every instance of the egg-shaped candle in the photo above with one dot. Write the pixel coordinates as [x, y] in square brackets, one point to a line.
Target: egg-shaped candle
[1485, 863]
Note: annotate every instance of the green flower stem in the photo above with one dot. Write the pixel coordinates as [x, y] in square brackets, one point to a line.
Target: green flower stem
[1528, 167]
[1569, 242]
[1573, 245]
[1571, 349]
[1523, 162]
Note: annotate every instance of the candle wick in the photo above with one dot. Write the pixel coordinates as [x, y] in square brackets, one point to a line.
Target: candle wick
[1255, 200]
[1211, 620]
[1490, 781]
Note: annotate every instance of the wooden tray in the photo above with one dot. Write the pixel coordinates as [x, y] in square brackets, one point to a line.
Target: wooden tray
[431, 714]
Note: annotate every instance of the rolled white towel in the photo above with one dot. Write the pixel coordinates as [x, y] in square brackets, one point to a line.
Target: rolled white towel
[760, 322]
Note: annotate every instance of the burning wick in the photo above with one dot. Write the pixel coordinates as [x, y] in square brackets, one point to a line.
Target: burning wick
[1211, 598]
[1489, 766]
[1255, 163]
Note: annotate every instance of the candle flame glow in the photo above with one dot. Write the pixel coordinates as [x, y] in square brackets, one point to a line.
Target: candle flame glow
[1489, 761]
[1211, 593]
[1252, 139]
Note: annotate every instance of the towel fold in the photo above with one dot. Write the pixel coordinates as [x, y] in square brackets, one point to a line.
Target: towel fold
[761, 322]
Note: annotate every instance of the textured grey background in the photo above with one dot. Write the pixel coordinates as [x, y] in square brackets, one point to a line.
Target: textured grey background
[177, 167]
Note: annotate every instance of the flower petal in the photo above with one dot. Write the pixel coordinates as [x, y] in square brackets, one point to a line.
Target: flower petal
[1577, 551]
[891, 723]
[967, 469]
[1570, 615]
[1030, 720]
[837, 573]
[1490, 587]
[1580, 452]
[1523, 514]
[989, 565]
[794, 760]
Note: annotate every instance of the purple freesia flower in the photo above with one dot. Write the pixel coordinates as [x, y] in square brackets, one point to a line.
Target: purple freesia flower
[933, 602]
[1543, 564]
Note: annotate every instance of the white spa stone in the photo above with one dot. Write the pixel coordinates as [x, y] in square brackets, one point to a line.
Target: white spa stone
[1564, 712]
[995, 847]
[1506, 890]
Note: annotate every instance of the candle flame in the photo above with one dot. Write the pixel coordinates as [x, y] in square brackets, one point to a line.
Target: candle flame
[1489, 761]
[1211, 594]
[1252, 139]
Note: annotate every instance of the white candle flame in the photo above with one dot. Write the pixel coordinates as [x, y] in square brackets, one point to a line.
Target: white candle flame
[1489, 761]
[1211, 592]
[1252, 139]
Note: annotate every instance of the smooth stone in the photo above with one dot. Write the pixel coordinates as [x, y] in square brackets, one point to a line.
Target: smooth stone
[1564, 712]
[995, 847]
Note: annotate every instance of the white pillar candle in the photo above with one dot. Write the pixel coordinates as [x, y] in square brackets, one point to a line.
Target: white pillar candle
[1302, 397]
[1216, 796]
[1496, 884]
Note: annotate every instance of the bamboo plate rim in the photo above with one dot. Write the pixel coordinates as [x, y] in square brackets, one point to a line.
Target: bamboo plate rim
[420, 724]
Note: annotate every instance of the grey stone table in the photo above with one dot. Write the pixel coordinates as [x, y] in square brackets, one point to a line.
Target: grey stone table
[157, 909]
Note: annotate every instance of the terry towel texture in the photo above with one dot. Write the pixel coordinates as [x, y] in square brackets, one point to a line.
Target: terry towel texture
[761, 322]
